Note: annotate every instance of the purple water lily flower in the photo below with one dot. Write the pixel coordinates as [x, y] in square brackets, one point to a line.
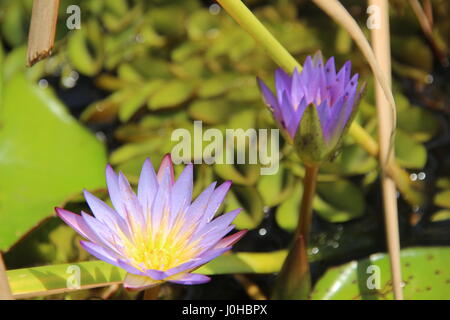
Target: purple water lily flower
[332, 98]
[157, 235]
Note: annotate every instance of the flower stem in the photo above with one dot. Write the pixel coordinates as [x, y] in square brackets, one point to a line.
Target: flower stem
[294, 279]
[151, 293]
[309, 190]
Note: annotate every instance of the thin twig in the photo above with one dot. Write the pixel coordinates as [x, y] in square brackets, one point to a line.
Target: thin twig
[427, 29]
[252, 289]
[382, 49]
[41, 36]
[428, 9]
[5, 290]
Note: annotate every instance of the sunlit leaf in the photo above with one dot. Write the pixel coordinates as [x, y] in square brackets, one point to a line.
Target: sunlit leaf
[45, 158]
[424, 272]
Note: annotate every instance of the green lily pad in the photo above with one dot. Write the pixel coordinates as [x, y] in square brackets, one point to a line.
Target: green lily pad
[41, 281]
[287, 213]
[440, 215]
[442, 199]
[339, 201]
[275, 188]
[409, 153]
[80, 46]
[45, 157]
[251, 203]
[171, 95]
[424, 272]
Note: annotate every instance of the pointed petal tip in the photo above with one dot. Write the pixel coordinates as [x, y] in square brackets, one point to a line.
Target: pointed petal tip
[191, 279]
[63, 213]
[109, 169]
[167, 157]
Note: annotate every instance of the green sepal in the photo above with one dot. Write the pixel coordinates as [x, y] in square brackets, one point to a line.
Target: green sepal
[309, 141]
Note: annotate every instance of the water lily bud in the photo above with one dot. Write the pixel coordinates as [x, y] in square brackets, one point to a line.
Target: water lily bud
[314, 107]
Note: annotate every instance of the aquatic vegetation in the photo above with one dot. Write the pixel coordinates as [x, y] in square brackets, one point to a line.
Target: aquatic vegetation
[116, 90]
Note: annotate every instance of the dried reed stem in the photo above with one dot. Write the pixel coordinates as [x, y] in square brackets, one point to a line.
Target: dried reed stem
[381, 46]
[41, 35]
[5, 290]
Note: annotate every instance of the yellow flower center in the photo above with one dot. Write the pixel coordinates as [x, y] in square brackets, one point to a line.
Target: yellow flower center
[161, 252]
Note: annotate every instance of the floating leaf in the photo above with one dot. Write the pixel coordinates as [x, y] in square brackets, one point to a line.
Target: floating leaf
[424, 271]
[342, 201]
[140, 97]
[41, 281]
[172, 94]
[45, 158]
[250, 201]
[409, 153]
[442, 199]
[79, 47]
[275, 188]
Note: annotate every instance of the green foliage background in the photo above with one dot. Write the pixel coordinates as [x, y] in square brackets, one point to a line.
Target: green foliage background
[153, 66]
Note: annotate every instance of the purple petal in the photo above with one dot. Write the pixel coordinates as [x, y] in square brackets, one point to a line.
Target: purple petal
[131, 204]
[330, 72]
[297, 93]
[194, 264]
[282, 82]
[210, 240]
[147, 187]
[156, 274]
[231, 240]
[216, 200]
[334, 116]
[162, 200]
[114, 192]
[324, 111]
[105, 213]
[196, 209]
[181, 193]
[166, 163]
[134, 282]
[100, 252]
[106, 236]
[288, 114]
[307, 73]
[191, 278]
[77, 223]
[270, 100]
[126, 265]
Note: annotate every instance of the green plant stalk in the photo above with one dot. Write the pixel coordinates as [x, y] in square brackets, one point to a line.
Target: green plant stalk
[294, 279]
[247, 20]
[152, 293]
[54, 279]
[256, 29]
[306, 205]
